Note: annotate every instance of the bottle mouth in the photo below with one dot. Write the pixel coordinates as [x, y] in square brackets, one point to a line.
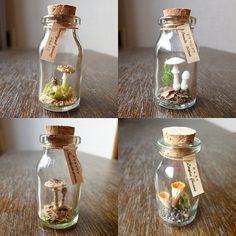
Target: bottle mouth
[178, 151]
[174, 21]
[59, 141]
[64, 20]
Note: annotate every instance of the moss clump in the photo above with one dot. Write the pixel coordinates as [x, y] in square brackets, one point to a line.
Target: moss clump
[184, 201]
[57, 92]
[167, 77]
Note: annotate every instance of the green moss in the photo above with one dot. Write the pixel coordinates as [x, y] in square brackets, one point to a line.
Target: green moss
[167, 77]
[62, 92]
[53, 221]
[184, 201]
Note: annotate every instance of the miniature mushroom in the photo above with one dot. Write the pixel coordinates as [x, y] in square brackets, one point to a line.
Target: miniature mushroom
[65, 70]
[55, 84]
[176, 189]
[63, 191]
[185, 78]
[164, 198]
[55, 185]
[175, 61]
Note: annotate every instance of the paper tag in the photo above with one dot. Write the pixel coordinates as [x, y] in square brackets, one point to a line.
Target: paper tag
[50, 50]
[73, 164]
[187, 41]
[193, 177]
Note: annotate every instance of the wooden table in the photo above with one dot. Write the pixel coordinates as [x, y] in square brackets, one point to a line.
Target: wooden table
[18, 197]
[19, 86]
[216, 86]
[138, 211]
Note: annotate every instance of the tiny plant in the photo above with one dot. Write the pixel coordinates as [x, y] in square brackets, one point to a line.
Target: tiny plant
[167, 77]
[184, 201]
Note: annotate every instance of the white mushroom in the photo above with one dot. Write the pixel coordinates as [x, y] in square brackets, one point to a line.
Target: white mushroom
[55, 185]
[55, 88]
[175, 61]
[65, 70]
[185, 78]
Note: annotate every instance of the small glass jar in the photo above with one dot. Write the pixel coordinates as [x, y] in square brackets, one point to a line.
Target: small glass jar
[177, 206]
[58, 198]
[175, 79]
[60, 80]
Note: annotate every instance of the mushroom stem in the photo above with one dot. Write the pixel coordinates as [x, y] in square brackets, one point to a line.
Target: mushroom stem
[64, 79]
[185, 78]
[175, 71]
[63, 191]
[55, 198]
[184, 84]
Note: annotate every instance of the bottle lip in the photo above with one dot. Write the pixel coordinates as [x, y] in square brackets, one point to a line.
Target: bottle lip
[59, 141]
[188, 148]
[168, 21]
[69, 20]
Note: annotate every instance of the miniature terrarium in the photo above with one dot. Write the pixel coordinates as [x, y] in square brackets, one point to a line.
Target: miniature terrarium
[58, 193]
[177, 180]
[60, 60]
[175, 76]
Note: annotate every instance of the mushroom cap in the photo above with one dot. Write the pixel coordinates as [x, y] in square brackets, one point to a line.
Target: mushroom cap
[186, 75]
[66, 69]
[55, 183]
[174, 61]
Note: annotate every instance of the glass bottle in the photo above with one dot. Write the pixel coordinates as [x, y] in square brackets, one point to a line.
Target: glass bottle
[60, 77]
[175, 79]
[177, 206]
[58, 198]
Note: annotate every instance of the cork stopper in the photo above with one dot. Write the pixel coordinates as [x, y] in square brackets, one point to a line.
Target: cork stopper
[60, 136]
[178, 143]
[181, 12]
[58, 9]
[178, 135]
[60, 130]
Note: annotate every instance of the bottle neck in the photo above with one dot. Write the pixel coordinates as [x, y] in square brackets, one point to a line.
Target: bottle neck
[68, 22]
[172, 22]
[59, 141]
[179, 152]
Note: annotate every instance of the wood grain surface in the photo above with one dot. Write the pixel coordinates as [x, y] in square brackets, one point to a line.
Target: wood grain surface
[216, 86]
[19, 86]
[139, 159]
[18, 197]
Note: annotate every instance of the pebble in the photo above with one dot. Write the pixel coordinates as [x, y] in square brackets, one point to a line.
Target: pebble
[186, 215]
[174, 214]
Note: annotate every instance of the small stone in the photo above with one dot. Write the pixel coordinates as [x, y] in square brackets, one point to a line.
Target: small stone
[186, 215]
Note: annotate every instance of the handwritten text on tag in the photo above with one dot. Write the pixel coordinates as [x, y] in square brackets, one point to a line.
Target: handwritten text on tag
[73, 165]
[188, 43]
[50, 50]
[193, 177]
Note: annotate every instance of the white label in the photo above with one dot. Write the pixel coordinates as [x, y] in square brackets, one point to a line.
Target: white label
[188, 43]
[193, 177]
[73, 164]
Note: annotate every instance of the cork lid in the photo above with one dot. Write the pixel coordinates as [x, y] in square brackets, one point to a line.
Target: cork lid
[60, 130]
[58, 9]
[179, 143]
[178, 135]
[182, 12]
